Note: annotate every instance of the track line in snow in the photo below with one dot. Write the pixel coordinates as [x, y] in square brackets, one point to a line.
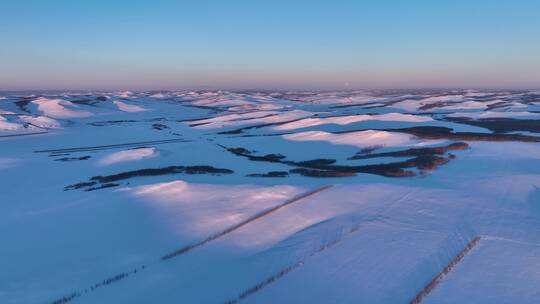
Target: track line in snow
[244, 222]
[123, 275]
[440, 276]
[107, 281]
[23, 134]
[280, 274]
[269, 280]
[105, 147]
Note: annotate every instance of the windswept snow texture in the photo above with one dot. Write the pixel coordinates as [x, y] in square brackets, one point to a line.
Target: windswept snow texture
[417, 196]
[127, 155]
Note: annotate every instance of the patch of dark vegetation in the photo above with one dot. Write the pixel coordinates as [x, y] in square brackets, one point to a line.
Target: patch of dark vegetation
[501, 125]
[370, 149]
[430, 162]
[240, 150]
[111, 122]
[194, 119]
[162, 171]
[66, 299]
[198, 124]
[58, 154]
[273, 158]
[141, 147]
[241, 130]
[321, 173]
[79, 185]
[103, 186]
[23, 102]
[328, 168]
[316, 162]
[158, 119]
[158, 126]
[498, 105]
[258, 117]
[270, 174]
[65, 159]
[389, 170]
[424, 163]
[432, 132]
[86, 102]
[439, 104]
[107, 180]
[213, 109]
[489, 97]
[529, 98]
[414, 151]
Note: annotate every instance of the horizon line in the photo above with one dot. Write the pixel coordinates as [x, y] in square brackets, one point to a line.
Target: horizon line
[270, 89]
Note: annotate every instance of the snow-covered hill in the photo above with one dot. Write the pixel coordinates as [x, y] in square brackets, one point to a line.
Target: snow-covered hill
[425, 196]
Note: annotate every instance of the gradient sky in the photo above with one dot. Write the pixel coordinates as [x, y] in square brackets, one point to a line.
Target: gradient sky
[106, 44]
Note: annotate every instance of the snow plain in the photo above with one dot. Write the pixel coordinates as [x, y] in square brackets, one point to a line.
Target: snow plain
[270, 197]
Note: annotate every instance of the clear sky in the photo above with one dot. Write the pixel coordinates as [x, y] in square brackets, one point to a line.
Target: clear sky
[269, 44]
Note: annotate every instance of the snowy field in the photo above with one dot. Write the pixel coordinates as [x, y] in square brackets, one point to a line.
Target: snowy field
[424, 196]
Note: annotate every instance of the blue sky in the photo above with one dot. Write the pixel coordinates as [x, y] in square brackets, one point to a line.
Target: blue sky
[232, 44]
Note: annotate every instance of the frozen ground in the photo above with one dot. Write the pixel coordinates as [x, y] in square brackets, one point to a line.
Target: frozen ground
[270, 197]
